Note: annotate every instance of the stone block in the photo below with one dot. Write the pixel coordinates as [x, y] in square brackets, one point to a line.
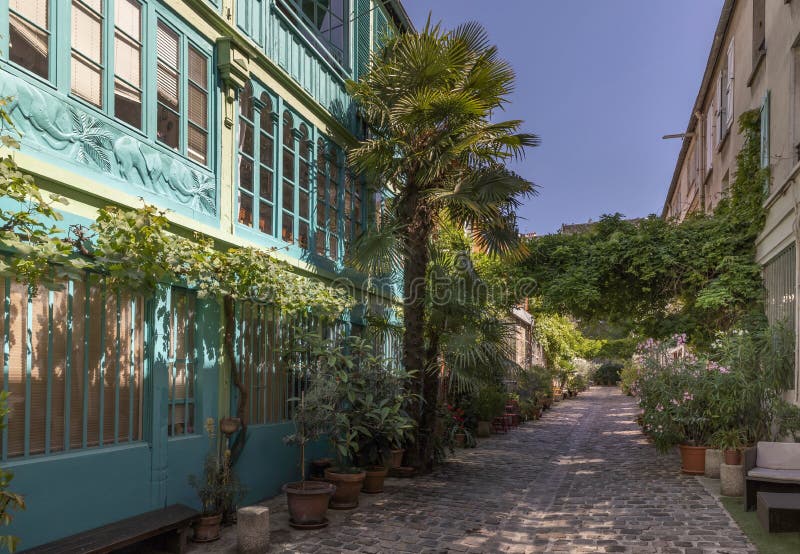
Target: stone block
[252, 529]
[731, 480]
[713, 460]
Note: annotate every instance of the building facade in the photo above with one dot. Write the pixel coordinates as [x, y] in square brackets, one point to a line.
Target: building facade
[754, 64]
[233, 116]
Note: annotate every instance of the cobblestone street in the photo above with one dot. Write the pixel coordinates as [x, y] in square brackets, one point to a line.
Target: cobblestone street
[582, 479]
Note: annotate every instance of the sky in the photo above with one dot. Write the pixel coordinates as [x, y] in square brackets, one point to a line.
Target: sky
[600, 82]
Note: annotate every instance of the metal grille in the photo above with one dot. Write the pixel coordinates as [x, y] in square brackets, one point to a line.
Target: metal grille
[780, 282]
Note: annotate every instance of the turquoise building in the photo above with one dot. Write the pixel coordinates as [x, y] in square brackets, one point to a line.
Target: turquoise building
[233, 116]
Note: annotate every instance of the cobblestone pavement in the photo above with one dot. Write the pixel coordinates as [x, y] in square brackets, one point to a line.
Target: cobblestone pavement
[581, 479]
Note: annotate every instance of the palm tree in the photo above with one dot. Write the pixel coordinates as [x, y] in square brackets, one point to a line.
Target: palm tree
[433, 147]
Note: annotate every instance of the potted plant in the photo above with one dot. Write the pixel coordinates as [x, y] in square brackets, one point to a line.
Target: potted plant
[218, 489]
[488, 405]
[730, 441]
[308, 500]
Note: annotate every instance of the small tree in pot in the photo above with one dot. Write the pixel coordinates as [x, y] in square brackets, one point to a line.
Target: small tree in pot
[219, 490]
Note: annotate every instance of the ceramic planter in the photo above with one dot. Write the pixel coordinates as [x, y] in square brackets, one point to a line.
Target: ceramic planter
[373, 482]
[693, 459]
[396, 460]
[733, 457]
[484, 429]
[348, 486]
[206, 528]
[308, 503]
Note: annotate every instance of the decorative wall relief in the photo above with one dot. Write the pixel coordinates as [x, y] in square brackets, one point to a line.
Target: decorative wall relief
[71, 133]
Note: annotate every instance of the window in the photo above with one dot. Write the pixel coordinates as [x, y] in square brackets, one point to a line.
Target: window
[759, 34]
[181, 66]
[725, 113]
[329, 174]
[779, 281]
[796, 103]
[29, 35]
[249, 18]
[181, 363]
[287, 187]
[353, 204]
[75, 359]
[256, 175]
[304, 186]
[327, 19]
[709, 136]
[87, 50]
[128, 62]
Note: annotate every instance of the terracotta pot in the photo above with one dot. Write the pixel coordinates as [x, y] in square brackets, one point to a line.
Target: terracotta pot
[229, 425]
[373, 482]
[348, 486]
[319, 465]
[206, 528]
[484, 429]
[460, 439]
[733, 457]
[396, 459]
[308, 503]
[693, 459]
[537, 413]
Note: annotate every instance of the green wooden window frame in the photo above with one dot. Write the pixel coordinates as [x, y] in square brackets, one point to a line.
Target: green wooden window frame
[250, 18]
[42, 30]
[312, 16]
[330, 170]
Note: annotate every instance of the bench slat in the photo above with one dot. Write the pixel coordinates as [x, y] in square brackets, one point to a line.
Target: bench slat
[121, 533]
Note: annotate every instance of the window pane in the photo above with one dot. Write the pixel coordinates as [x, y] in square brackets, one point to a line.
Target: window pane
[127, 17]
[265, 218]
[302, 235]
[127, 60]
[288, 164]
[319, 237]
[87, 32]
[127, 104]
[167, 86]
[198, 146]
[87, 81]
[198, 67]
[266, 148]
[32, 10]
[167, 46]
[168, 125]
[245, 173]
[334, 251]
[28, 45]
[246, 138]
[265, 183]
[303, 204]
[246, 102]
[288, 126]
[288, 197]
[245, 208]
[198, 106]
[287, 231]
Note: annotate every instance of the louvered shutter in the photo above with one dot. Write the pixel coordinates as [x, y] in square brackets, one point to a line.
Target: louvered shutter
[729, 98]
[380, 28]
[363, 42]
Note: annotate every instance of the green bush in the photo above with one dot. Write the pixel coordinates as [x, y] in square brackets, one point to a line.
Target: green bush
[608, 374]
[628, 378]
[489, 403]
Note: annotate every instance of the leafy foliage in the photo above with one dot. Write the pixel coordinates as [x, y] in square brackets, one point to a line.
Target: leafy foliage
[8, 500]
[658, 277]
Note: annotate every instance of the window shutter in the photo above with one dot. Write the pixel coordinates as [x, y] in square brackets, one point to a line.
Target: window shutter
[380, 27]
[719, 115]
[710, 137]
[729, 96]
[765, 131]
[363, 42]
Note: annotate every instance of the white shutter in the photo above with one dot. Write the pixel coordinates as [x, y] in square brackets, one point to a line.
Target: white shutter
[719, 116]
[127, 17]
[729, 107]
[34, 11]
[765, 131]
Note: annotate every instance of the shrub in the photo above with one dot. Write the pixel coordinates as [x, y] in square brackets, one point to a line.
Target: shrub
[608, 374]
[489, 403]
[628, 378]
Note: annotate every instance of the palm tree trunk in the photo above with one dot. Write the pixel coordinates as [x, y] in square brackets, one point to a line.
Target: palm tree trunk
[415, 265]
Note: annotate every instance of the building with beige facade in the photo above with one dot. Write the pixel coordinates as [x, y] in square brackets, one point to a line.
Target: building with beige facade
[754, 63]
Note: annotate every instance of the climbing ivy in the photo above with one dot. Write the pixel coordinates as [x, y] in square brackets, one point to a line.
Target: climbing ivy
[659, 277]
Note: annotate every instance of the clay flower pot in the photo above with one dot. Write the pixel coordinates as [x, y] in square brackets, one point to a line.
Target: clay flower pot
[693, 459]
[397, 457]
[308, 503]
[733, 457]
[460, 439]
[229, 425]
[373, 482]
[484, 429]
[206, 528]
[318, 467]
[348, 486]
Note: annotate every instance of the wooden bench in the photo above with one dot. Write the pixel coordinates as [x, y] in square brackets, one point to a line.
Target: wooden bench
[172, 521]
[779, 512]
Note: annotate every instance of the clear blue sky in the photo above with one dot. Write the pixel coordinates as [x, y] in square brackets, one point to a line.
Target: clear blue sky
[600, 81]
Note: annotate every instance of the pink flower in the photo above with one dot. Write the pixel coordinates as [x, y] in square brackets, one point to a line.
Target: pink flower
[687, 397]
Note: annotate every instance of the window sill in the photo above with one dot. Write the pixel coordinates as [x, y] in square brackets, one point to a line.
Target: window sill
[780, 191]
[757, 64]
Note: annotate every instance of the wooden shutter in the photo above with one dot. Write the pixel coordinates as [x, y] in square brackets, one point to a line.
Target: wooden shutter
[729, 96]
[363, 42]
[765, 130]
[710, 137]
